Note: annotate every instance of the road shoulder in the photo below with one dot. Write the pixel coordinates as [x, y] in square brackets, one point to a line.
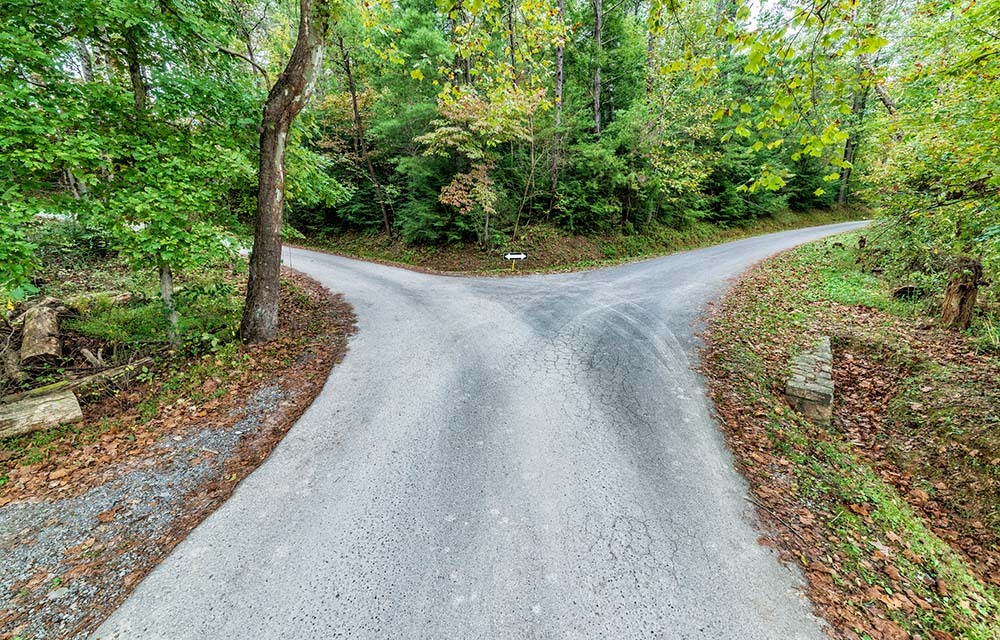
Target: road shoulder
[888, 511]
[81, 527]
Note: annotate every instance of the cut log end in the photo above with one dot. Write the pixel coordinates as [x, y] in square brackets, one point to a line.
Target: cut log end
[40, 337]
[42, 412]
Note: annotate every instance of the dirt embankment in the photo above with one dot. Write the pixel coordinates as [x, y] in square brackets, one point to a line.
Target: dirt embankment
[892, 511]
[80, 527]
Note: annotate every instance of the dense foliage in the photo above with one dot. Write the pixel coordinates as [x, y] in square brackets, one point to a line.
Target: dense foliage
[449, 121]
[938, 180]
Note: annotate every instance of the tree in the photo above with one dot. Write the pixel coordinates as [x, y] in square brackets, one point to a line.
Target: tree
[125, 120]
[359, 129]
[936, 180]
[285, 100]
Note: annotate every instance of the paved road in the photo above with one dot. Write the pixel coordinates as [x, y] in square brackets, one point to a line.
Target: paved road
[511, 458]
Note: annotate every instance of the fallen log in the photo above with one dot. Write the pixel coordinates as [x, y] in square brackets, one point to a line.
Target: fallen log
[47, 301]
[94, 384]
[40, 337]
[90, 303]
[37, 413]
[11, 366]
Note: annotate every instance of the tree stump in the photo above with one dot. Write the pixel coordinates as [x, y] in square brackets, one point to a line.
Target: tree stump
[960, 296]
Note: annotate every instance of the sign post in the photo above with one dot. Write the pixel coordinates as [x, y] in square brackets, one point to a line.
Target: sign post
[514, 257]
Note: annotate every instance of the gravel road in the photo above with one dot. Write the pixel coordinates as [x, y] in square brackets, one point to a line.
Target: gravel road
[510, 458]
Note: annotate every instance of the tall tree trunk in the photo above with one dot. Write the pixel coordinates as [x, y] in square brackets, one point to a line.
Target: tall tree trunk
[653, 27]
[86, 60]
[557, 140]
[859, 109]
[467, 20]
[286, 99]
[650, 51]
[169, 306]
[511, 39]
[598, 35]
[140, 92]
[845, 172]
[359, 129]
[140, 96]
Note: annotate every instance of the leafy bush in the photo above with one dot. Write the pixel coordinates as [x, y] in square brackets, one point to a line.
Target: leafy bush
[420, 217]
[728, 204]
[209, 317]
[806, 188]
[590, 189]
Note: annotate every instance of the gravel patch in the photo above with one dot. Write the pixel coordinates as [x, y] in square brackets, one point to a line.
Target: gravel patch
[112, 526]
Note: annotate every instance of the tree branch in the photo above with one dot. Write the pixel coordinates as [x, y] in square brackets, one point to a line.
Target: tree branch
[229, 52]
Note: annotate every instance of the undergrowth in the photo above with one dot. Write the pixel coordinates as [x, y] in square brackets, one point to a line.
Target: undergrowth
[550, 248]
[876, 566]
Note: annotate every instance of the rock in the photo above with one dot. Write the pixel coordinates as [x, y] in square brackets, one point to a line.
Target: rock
[809, 389]
[59, 593]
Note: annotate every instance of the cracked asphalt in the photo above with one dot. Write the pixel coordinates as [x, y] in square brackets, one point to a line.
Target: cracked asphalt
[529, 457]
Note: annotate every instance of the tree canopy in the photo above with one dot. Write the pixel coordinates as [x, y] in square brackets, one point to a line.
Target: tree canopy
[464, 120]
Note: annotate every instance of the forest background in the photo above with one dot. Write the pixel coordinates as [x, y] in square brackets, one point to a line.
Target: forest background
[466, 122]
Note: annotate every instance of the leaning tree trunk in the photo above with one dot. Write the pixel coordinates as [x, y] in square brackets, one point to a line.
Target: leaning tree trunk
[285, 100]
[359, 132]
[960, 296]
[878, 84]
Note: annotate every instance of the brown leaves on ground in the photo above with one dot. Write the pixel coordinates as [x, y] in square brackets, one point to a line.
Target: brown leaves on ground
[938, 469]
[312, 338]
[932, 443]
[113, 430]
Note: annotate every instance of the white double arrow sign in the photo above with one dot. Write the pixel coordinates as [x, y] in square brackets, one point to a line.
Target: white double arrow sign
[515, 256]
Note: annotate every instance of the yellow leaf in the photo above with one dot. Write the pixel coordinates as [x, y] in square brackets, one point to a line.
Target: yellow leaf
[417, 74]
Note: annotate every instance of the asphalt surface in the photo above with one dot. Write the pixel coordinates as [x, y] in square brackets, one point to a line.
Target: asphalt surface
[510, 458]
